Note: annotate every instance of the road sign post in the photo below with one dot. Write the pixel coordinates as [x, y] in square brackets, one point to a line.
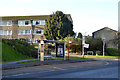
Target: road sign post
[83, 42]
[70, 41]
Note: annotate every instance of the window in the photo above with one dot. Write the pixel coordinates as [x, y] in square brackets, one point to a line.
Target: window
[27, 31]
[5, 23]
[5, 32]
[1, 32]
[38, 32]
[10, 32]
[42, 22]
[23, 32]
[24, 23]
[38, 22]
[34, 41]
[20, 32]
[42, 31]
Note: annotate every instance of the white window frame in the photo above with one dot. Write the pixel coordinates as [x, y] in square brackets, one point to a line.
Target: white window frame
[23, 32]
[41, 22]
[34, 32]
[22, 23]
[7, 23]
[7, 32]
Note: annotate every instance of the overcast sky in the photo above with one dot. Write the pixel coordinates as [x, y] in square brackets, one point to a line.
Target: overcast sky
[88, 15]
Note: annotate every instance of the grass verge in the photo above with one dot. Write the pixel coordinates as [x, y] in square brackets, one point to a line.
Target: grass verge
[9, 54]
[100, 56]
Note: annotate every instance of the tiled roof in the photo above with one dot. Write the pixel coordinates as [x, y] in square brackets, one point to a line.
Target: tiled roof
[104, 29]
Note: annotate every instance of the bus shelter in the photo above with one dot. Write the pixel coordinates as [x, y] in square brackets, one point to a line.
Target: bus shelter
[59, 48]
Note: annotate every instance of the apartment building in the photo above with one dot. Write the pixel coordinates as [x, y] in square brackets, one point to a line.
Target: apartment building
[24, 27]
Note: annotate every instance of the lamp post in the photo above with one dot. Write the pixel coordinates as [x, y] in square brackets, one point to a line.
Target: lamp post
[103, 47]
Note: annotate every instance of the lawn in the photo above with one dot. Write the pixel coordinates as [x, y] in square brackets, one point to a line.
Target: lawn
[100, 56]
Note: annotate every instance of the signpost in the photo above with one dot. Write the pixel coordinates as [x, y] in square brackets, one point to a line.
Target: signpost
[70, 41]
[84, 45]
[83, 42]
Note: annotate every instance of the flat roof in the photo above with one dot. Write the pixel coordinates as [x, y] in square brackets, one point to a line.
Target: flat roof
[52, 41]
[26, 17]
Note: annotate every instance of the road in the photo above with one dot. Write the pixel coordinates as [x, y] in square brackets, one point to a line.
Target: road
[93, 69]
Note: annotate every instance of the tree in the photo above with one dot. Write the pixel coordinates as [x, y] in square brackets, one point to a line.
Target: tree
[58, 26]
[79, 35]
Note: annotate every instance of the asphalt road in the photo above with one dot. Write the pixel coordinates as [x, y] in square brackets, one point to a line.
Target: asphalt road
[93, 69]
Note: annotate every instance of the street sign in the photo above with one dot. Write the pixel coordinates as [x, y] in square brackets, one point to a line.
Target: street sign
[70, 41]
[86, 45]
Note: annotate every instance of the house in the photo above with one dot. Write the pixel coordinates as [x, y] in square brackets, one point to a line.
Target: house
[109, 35]
[24, 27]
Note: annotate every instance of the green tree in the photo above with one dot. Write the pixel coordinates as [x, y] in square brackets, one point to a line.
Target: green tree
[58, 26]
[79, 35]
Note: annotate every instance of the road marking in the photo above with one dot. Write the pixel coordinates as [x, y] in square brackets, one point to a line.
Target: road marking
[106, 63]
[58, 68]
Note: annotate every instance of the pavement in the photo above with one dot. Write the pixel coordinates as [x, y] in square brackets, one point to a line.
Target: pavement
[13, 65]
[16, 64]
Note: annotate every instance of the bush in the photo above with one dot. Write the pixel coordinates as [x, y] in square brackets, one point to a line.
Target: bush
[75, 46]
[112, 52]
[22, 47]
[95, 44]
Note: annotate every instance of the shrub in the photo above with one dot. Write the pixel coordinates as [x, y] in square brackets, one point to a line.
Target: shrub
[95, 44]
[22, 47]
[75, 46]
[112, 52]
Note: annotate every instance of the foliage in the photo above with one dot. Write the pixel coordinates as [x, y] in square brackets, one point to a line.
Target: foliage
[9, 54]
[58, 26]
[95, 44]
[75, 46]
[79, 35]
[112, 52]
[22, 47]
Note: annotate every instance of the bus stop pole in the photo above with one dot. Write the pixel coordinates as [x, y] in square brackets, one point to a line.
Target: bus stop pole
[64, 51]
[68, 50]
[38, 52]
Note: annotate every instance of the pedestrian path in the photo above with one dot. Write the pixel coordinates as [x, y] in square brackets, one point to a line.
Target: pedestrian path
[14, 62]
[14, 65]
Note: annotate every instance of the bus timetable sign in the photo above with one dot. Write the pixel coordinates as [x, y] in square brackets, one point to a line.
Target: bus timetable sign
[59, 50]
